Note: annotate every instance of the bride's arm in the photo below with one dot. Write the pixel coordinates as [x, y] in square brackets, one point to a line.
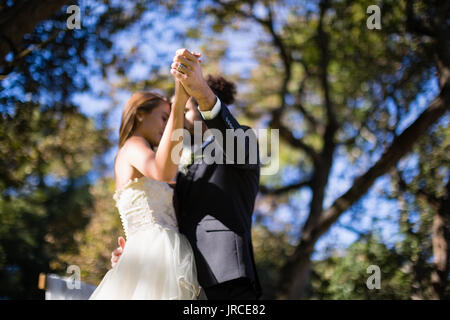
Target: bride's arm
[160, 165]
[165, 164]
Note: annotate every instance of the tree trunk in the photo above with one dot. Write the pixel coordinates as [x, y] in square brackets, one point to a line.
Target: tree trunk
[295, 274]
[441, 246]
[300, 286]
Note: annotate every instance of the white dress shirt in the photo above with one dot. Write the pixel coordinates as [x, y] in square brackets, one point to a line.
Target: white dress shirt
[211, 114]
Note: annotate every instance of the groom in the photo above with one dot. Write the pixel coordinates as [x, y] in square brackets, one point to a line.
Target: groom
[214, 202]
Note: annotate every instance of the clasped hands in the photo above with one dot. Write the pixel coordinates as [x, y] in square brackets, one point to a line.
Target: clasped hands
[187, 71]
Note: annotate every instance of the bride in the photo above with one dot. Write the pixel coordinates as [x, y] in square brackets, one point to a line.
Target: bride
[157, 262]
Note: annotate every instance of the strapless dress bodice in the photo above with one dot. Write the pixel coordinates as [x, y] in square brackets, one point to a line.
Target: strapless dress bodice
[144, 202]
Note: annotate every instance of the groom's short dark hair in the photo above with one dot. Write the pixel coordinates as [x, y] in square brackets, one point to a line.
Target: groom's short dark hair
[223, 88]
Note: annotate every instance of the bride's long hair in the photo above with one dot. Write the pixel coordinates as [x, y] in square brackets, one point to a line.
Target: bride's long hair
[146, 101]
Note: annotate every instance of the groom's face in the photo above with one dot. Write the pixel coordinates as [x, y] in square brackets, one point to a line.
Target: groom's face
[191, 114]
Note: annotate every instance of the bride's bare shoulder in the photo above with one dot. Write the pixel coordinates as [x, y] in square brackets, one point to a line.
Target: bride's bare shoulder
[135, 146]
[123, 164]
[136, 142]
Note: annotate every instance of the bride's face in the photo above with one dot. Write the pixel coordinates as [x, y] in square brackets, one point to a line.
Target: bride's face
[153, 123]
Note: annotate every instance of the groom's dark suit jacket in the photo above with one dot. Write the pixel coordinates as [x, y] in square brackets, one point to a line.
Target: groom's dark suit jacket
[214, 205]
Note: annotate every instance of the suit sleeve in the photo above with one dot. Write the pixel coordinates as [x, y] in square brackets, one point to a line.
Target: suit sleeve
[245, 153]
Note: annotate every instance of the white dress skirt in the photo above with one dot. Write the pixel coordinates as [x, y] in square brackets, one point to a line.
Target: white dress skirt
[157, 262]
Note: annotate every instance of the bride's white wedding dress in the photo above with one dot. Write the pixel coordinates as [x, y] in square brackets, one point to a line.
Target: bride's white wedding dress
[157, 261]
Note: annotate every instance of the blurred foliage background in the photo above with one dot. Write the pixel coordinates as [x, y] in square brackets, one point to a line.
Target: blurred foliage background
[362, 116]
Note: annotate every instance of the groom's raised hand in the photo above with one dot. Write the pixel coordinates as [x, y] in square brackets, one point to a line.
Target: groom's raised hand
[186, 68]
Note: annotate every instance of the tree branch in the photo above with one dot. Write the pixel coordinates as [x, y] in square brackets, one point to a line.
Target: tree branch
[322, 39]
[278, 191]
[9, 67]
[21, 19]
[399, 148]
